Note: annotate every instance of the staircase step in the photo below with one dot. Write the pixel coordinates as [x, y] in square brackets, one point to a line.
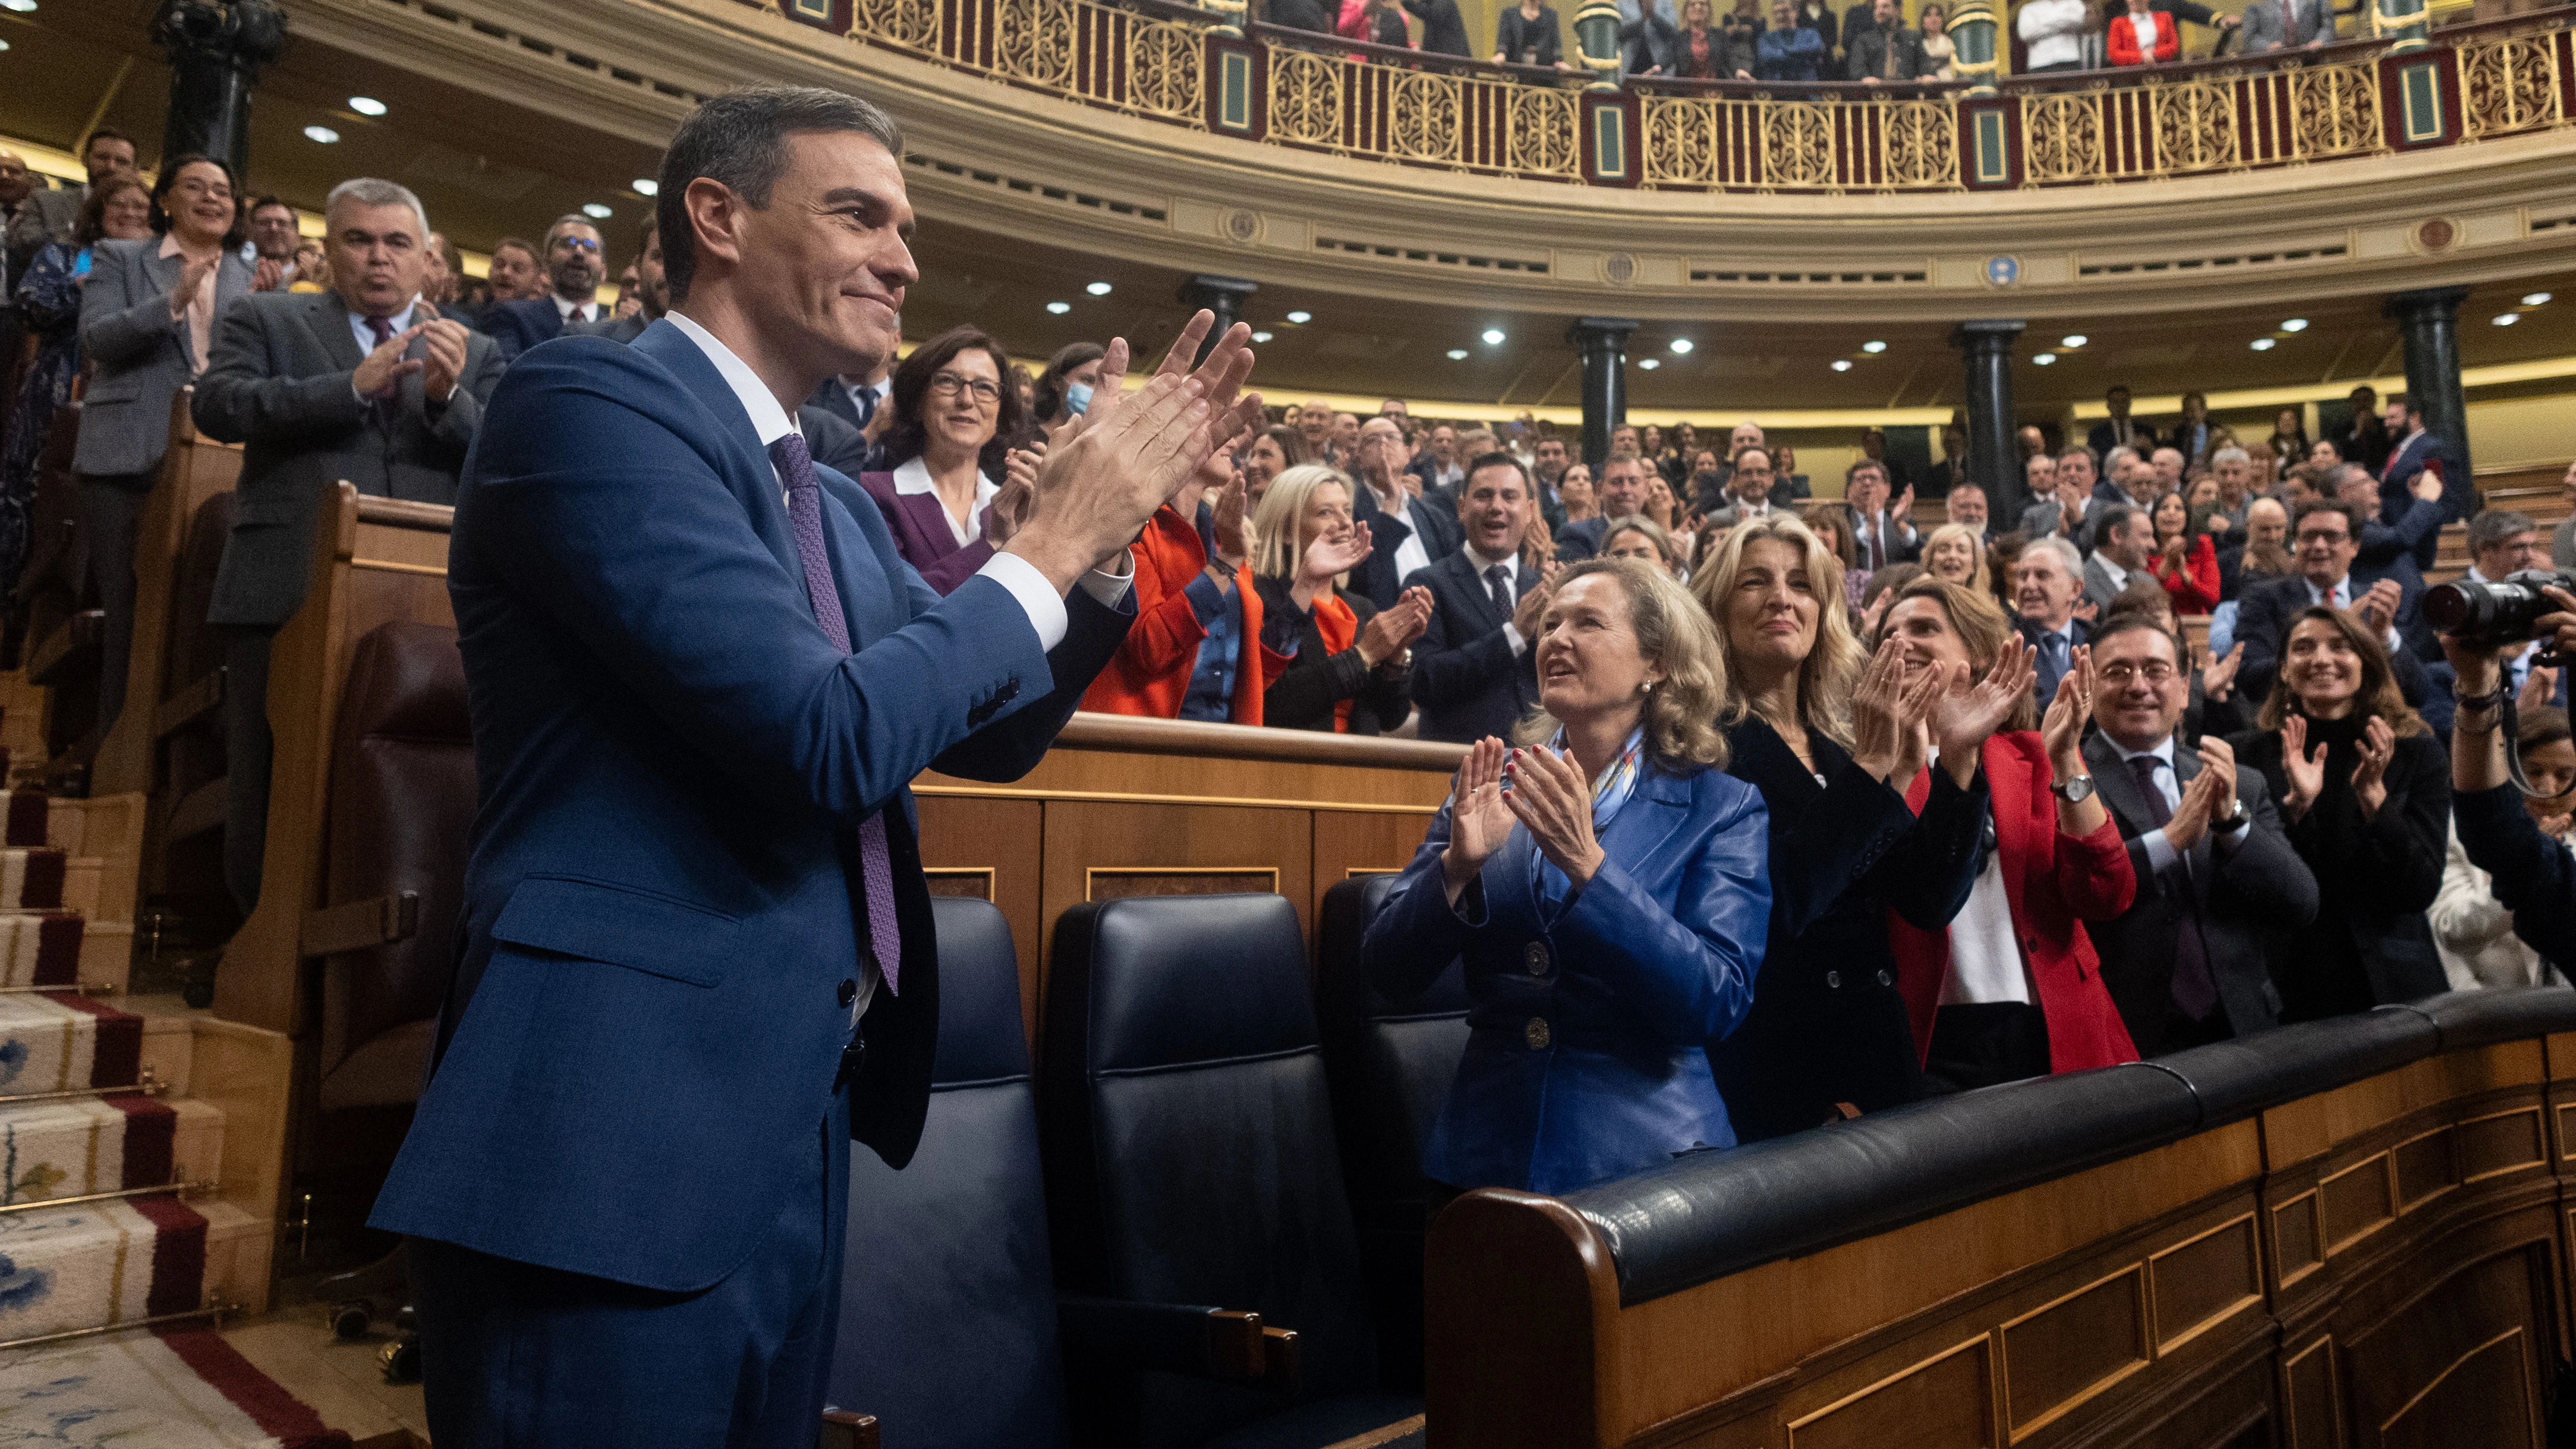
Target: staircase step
[90, 1265]
[32, 879]
[40, 948]
[71, 1148]
[59, 1042]
[27, 809]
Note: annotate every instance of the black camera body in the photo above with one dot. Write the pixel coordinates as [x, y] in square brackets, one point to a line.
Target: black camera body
[2505, 611]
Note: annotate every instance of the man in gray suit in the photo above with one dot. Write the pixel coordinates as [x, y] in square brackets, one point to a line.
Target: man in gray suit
[2287, 25]
[147, 317]
[2123, 538]
[2185, 962]
[365, 382]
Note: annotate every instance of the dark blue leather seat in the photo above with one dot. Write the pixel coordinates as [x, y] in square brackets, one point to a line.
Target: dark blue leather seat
[1191, 1158]
[1389, 1066]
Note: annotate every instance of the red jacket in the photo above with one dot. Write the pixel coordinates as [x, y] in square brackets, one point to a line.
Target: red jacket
[2055, 883]
[2124, 39]
[1151, 673]
[2193, 587]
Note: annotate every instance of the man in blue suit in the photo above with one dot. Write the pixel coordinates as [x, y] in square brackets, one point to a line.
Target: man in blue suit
[2414, 454]
[575, 264]
[696, 957]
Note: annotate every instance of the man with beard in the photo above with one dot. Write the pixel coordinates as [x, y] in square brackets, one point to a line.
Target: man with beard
[574, 267]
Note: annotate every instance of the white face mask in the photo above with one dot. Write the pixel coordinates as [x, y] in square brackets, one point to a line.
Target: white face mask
[1077, 398]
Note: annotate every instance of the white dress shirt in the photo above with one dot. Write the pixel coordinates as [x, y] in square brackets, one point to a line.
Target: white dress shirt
[2144, 28]
[1410, 554]
[587, 308]
[914, 477]
[2160, 852]
[2119, 575]
[1511, 566]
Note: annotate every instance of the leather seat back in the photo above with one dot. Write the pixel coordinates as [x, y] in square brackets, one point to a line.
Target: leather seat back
[401, 806]
[948, 1322]
[1389, 1067]
[1190, 1146]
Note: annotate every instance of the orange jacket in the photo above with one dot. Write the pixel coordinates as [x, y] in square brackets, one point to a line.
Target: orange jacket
[1151, 673]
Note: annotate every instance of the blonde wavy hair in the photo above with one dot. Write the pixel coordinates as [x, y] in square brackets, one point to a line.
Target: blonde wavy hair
[1277, 519]
[1978, 578]
[1832, 668]
[1680, 712]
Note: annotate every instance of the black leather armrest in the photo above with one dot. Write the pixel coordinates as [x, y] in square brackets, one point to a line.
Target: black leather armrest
[1208, 1343]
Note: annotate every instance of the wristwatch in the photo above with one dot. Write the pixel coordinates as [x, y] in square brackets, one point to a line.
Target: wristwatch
[2073, 792]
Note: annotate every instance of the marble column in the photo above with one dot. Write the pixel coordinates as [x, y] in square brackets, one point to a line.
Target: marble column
[2429, 323]
[217, 48]
[1224, 296]
[1993, 458]
[1604, 342]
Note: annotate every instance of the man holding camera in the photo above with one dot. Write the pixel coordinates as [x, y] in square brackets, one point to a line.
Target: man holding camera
[2534, 876]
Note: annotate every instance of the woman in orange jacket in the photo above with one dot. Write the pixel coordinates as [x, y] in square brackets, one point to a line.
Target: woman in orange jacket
[1201, 647]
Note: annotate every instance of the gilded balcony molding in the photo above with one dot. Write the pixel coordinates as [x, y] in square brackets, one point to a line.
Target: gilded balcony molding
[1162, 133]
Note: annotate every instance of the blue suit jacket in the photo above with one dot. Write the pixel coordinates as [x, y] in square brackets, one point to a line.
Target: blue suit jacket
[1465, 676]
[1655, 958]
[662, 901]
[2459, 500]
[520, 325]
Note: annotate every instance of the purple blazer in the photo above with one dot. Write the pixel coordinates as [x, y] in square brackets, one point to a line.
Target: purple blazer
[919, 523]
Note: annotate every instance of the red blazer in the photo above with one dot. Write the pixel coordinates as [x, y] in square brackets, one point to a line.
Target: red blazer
[1151, 673]
[2193, 587]
[2124, 40]
[2055, 883]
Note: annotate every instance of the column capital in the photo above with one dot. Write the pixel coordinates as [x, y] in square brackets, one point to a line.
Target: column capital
[1217, 294]
[1601, 331]
[2444, 301]
[1988, 334]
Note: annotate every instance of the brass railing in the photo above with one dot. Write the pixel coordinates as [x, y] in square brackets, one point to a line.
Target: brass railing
[1192, 67]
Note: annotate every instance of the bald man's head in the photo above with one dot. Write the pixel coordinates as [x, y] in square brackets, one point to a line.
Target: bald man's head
[15, 181]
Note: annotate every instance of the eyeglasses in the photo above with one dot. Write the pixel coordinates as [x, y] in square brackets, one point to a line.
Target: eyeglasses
[578, 243]
[949, 384]
[2154, 671]
[2319, 535]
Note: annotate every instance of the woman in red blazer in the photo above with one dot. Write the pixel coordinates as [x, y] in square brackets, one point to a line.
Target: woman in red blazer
[2160, 44]
[2012, 988]
[2186, 563]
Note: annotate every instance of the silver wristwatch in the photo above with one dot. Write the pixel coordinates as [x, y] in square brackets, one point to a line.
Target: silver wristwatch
[2073, 792]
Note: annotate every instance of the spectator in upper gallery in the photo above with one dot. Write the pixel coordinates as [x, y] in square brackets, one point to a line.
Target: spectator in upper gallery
[2562, 540]
[1788, 51]
[1444, 30]
[2473, 930]
[2184, 560]
[2123, 539]
[1957, 552]
[1873, 449]
[2007, 990]
[2365, 794]
[1473, 674]
[2216, 877]
[2119, 430]
[1063, 391]
[1529, 34]
[1743, 26]
[574, 268]
[1310, 15]
[49, 298]
[1748, 489]
[364, 383]
[2289, 441]
[1374, 21]
[947, 455]
[1407, 533]
[1262, 456]
[2362, 439]
[2165, 467]
[1619, 492]
[1700, 50]
[1939, 58]
[1886, 49]
[1815, 15]
[148, 315]
[1952, 470]
[1886, 531]
[1353, 665]
[1965, 504]
[2413, 452]
[2052, 33]
[1202, 646]
[2048, 578]
[2141, 36]
[273, 236]
[2287, 25]
[2191, 437]
[1439, 465]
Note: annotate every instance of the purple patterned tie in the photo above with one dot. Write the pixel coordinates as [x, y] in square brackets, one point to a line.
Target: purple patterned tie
[805, 514]
[382, 398]
[2195, 990]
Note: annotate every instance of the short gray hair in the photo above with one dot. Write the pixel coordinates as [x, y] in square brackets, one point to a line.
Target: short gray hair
[369, 191]
[2495, 525]
[2230, 455]
[2056, 543]
[739, 140]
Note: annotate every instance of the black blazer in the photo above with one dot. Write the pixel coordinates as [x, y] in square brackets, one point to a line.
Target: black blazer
[2264, 611]
[2375, 879]
[1465, 676]
[1828, 1024]
[2245, 885]
[1514, 34]
[1442, 535]
[1303, 696]
[1444, 31]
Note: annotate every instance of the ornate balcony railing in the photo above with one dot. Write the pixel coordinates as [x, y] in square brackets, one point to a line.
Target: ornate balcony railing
[1191, 67]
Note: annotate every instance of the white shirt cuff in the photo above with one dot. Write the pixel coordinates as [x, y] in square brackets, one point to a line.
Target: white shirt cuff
[2160, 852]
[1037, 597]
[1108, 589]
[1512, 636]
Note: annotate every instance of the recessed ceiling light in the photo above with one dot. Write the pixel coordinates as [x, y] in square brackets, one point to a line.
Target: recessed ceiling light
[1059, 308]
[1842, 364]
[2077, 339]
[1098, 289]
[2508, 319]
[366, 105]
[1260, 336]
[1457, 354]
[4, 45]
[2295, 324]
[23, 7]
[1873, 347]
[323, 134]
[1493, 337]
[1648, 363]
[645, 186]
[1681, 344]
[2535, 299]
[595, 211]
[2043, 359]
[1301, 318]
[2263, 344]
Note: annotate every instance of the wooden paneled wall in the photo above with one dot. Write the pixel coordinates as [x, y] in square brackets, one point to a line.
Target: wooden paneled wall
[2380, 1265]
[1124, 807]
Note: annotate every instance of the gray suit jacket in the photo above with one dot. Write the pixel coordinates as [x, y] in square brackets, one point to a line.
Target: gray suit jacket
[2098, 586]
[2285, 24]
[2244, 884]
[2562, 545]
[141, 355]
[279, 383]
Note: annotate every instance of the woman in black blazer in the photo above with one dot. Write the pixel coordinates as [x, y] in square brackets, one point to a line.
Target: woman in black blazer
[1528, 34]
[2365, 795]
[1354, 667]
[1832, 739]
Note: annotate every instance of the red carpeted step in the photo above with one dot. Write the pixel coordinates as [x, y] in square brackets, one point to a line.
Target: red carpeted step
[40, 948]
[28, 807]
[32, 879]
